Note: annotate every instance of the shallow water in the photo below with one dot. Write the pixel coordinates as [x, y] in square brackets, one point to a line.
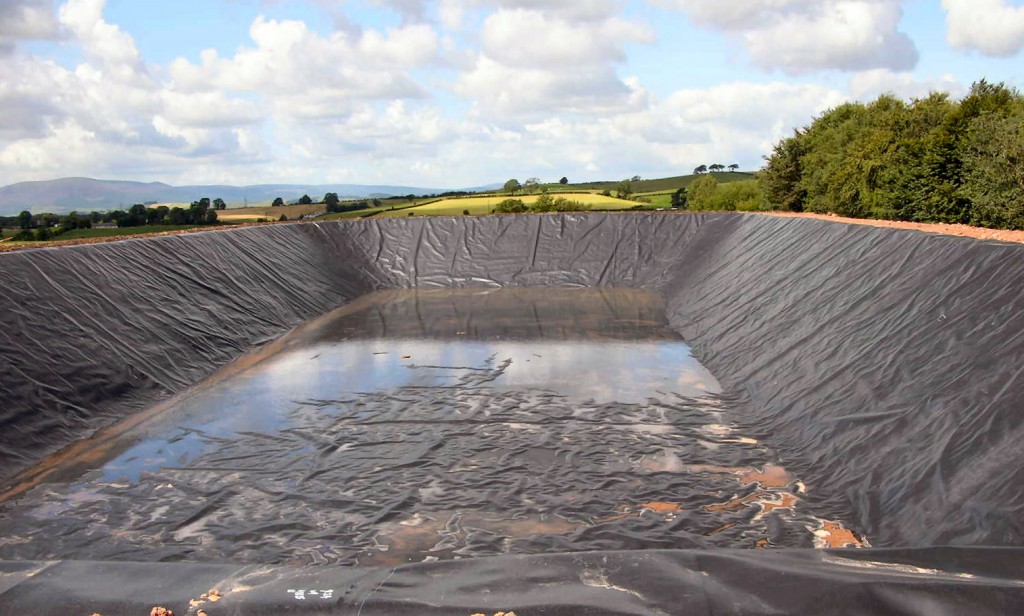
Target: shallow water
[433, 424]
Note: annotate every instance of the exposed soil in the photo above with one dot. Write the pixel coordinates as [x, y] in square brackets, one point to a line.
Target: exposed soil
[978, 233]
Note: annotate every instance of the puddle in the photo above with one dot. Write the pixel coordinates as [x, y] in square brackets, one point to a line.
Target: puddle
[436, 424]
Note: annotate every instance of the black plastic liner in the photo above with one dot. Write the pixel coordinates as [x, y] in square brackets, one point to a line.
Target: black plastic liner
[419, 424]
[951, 581]
[885, 364]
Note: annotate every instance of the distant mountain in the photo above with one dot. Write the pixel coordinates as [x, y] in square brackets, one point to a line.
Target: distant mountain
[67, 194]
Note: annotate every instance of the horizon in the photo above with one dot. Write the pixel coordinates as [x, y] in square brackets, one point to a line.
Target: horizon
[172, 185]
[446, 94]
[330, 183]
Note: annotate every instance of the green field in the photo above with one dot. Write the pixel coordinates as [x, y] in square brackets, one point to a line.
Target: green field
[484, 205]
[390, 205]
[661, 185]
[78, 234]
[353, 214]
[252, 214]
[659, 199]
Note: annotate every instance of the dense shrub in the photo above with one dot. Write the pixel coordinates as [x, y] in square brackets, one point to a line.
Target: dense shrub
[745, 196]
[337, 207]
[510, 206]
[932, 159]
[994, 169]
[547, 203]
[680, 199]
[705, 193]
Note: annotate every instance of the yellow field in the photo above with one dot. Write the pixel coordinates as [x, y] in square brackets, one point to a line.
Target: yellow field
[484, 205]
[244, 214]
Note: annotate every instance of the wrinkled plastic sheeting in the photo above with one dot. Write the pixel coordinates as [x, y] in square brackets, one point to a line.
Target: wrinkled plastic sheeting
[91, 333]
[876, 582]
[885, 364]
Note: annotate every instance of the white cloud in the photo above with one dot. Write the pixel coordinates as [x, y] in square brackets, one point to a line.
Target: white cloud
[868, 85]
[103, 42]
[69, 146]
[993, 27]
[377, 131]
[462, 92]
[801, 36]
[208, 110]
[26, 20]
[560, 65]
[316, 76]
[532, 39]
[109, 112]
[728, 123]
[450, 12]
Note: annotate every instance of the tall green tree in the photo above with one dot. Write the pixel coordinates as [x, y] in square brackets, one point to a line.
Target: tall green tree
[679, 199]
[157, 215]
[178, 216]
[993, 172]
[780, 178]
[932, 159]
[512, 186]
[700, 193]
[624, 189]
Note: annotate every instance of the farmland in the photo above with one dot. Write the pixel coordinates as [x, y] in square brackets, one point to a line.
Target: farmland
[661, 185]
[251, 214]
[77, 234]
[484, 205]
[596, 196]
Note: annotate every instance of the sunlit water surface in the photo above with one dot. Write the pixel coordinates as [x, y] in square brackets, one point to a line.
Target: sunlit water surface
[437, 424]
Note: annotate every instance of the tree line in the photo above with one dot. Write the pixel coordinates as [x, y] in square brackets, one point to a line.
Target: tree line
[202, 212]
[530, 186]
[46, 226]
[932, 159]
[715, 168]
[543, 203]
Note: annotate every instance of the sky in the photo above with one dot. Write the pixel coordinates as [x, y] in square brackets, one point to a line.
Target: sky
[459, 93]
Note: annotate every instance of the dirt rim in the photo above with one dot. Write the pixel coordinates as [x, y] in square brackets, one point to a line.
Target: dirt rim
[978, 233]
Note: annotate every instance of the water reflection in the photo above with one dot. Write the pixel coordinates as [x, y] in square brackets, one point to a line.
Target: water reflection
[435, 424]
[601, 345]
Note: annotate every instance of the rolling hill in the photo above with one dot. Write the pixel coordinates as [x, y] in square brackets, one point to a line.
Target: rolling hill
[66, 194]
[662, 184]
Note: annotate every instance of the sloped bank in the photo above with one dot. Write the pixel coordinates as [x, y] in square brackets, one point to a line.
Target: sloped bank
[884, 364]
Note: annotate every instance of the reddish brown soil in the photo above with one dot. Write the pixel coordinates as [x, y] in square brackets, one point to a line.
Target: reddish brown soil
[978, 233]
